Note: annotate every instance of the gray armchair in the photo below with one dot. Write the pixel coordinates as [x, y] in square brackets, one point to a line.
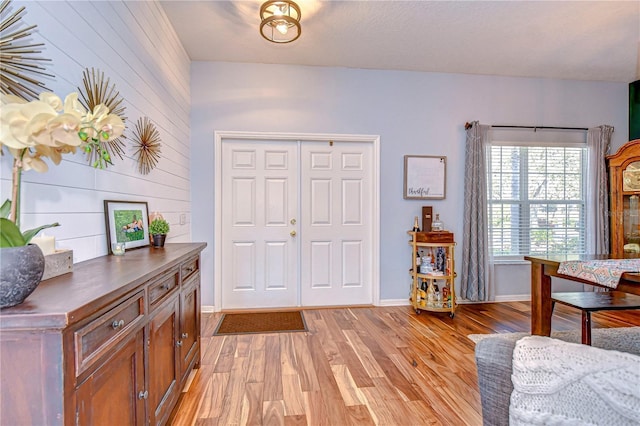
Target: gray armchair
[494, 361]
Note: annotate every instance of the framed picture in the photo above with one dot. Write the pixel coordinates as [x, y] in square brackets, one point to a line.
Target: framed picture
[127, 222]
[424, 177]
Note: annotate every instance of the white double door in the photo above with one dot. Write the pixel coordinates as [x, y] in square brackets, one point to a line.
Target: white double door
[296, 223]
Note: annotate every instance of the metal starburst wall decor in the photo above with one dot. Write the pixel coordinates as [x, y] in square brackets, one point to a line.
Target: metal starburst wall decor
[98, 91]
[147, 140]
[20, 64]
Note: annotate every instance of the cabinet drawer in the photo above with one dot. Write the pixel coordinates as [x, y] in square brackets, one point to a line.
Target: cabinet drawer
[190, 267]
[434, 237]
[162, 287]
[99, 336]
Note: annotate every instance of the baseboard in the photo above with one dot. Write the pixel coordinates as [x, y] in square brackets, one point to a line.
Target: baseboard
[513, 298]
[498, 299]
[394, 302]
[405, 302]
[504, 298]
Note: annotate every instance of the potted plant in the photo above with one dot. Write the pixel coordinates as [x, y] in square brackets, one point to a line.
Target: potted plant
[33, 130]
[158, 229]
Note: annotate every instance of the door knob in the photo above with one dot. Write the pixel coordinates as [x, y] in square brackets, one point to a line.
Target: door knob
[293, 233]
[293, 221]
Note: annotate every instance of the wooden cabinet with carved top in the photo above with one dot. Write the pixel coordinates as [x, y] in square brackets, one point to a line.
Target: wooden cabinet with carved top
[624, 196]
[112, 342]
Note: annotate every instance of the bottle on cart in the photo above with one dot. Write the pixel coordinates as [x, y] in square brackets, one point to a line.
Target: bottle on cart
[430, 256]
[437, 224]
[440, 259]
[446, 296]
[418, 261]
[431, 294]
[416, 228]
[422, 293]
[445, 292]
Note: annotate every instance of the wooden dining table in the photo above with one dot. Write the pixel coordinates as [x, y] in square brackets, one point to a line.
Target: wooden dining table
[545, 267]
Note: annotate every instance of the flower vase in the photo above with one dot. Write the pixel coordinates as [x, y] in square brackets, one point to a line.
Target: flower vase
[21, 270]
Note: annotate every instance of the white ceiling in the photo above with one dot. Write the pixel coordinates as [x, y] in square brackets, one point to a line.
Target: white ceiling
[582, 40]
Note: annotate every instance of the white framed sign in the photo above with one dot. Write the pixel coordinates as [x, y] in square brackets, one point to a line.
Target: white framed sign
[424, 177]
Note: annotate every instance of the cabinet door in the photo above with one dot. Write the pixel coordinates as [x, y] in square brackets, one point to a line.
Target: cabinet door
[189, 324]
[163, 361]
[114, 393]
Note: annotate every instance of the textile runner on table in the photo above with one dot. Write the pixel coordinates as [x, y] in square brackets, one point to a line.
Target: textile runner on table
[603, 272]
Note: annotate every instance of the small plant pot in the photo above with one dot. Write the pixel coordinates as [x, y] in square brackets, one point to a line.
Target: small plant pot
[158, 240]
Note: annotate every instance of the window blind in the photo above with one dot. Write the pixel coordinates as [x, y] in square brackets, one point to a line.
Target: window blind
[536, 199]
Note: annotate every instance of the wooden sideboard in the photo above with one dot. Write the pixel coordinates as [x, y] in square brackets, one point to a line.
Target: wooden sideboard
[111, 343]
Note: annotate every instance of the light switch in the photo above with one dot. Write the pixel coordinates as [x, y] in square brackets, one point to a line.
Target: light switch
[183, 218]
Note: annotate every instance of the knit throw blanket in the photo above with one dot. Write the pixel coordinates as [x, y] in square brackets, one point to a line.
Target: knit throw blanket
[604, 272]
[561, 383]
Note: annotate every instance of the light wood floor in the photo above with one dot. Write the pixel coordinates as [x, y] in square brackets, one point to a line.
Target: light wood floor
[383, 365]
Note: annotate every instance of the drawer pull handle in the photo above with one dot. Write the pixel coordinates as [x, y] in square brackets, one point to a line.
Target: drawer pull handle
[143, 395]
[117, 324]
[185, 335]
[179, 343]
[190, 270]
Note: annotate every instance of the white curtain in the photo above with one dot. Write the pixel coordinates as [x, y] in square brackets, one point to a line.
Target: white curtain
[598, 143]
[475, 248]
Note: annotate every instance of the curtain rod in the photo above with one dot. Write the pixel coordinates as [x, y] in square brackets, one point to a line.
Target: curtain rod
[539, 127]
[467, 126]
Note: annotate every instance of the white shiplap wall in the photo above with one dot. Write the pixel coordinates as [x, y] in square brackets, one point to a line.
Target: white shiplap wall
[137, 48]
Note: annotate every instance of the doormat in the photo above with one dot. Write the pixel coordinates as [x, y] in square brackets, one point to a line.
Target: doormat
[261, 322]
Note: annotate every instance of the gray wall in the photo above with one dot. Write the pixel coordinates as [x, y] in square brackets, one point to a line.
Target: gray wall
[414, 113]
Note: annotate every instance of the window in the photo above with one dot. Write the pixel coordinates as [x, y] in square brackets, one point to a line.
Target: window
[536, 199]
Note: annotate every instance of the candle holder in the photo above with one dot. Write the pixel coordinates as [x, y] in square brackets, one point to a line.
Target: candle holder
[118, 249]
[58, 263]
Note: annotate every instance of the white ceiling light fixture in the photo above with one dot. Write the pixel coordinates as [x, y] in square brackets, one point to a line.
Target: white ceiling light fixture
[280, 21]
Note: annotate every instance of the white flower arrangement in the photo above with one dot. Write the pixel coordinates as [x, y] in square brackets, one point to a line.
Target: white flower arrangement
[47, 127]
